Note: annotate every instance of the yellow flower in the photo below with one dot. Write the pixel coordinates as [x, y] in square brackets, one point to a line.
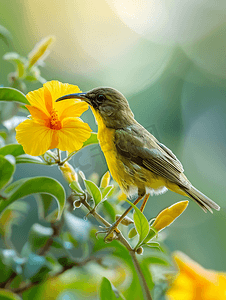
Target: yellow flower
[168, 215]
[53, 124]
[40, 50]
[105, 180]
[196, 283]
[68, 172]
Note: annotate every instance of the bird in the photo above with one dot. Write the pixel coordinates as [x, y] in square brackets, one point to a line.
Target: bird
[137, 161]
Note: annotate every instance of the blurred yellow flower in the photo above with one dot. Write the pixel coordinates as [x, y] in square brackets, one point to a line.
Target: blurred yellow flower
[196, 283]
[168, 215]
[40, 50]
[53, 124]
[68, 172]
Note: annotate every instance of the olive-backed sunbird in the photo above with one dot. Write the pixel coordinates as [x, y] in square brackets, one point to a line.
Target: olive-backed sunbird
[138, 162]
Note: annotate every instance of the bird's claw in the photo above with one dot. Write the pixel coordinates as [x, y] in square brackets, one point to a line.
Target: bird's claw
[111, 233]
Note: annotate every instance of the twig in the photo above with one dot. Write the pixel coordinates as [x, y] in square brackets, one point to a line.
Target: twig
[64, 269]
[56, 231]
[121, 239]
[68, 157]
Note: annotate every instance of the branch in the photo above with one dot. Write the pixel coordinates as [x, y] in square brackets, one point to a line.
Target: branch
[123, 241]
[64, 269]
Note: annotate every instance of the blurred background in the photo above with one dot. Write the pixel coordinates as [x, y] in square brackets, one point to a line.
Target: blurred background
[169, 59]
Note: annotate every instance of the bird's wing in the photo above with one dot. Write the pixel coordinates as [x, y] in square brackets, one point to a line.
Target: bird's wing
[142, 148]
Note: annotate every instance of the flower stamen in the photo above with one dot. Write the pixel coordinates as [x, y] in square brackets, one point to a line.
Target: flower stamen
[55, 122]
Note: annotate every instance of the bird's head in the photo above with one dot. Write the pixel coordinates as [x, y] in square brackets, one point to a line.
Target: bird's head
[108, 105]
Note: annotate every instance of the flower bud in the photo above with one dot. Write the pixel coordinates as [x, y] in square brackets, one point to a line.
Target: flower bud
[40, 50]
[105, 180]
[168, 215]
[68, 172]
[140, 250]
[125, 221]
[77, 204]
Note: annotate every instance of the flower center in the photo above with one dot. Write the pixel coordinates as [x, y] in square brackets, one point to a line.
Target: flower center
[55, 122]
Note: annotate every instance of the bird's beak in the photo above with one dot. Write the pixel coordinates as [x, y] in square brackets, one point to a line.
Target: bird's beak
[81, 96]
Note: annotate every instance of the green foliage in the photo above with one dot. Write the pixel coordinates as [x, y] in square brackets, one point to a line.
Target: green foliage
[5, 35]
[91, 140]
[38, 236]
[28, 186]
[7, 168]
[7, 295]
[75, 186]
[106, 290]
[36, 268]
[63, 251]
[141, 224]
[94, 191]
[11, 94]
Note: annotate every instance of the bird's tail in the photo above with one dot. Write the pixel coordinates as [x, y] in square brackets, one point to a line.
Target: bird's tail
[203, 201]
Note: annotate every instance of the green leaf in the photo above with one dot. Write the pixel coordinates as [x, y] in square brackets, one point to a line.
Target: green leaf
[7, 219]
[140, 222]
[109, 209]
[13, 149]
[91, 140]
[7, 295]
[155, 260]
[132, 233]
[153, 245]
[11, 94]
[106, 191]
[152, 233]
[7, 168]
[29, 159]
[94, 191]
[38, 236]
[6, 270]
[44, 202]
[106, 291]
[75, 186]
[19, 61]
[5, 35]
[3, 134]
[28, 186]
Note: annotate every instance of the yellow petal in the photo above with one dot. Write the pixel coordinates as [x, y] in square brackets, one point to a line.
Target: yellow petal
[58, 89]
[38, 115]
[34, 137]
[40, 50]
[169, 214]
[70, 108]
[194, 282]
[36, 98]
[48, 99]
[73, 134]
[193, 269]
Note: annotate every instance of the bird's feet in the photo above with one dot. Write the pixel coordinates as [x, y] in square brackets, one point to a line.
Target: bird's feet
[112, 233]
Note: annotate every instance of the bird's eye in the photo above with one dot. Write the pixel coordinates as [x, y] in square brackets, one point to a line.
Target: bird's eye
[100, 98]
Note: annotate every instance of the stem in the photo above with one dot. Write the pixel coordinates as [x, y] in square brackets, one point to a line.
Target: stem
[26, 287]
[143, 282]
[121, 239]
[69, 157]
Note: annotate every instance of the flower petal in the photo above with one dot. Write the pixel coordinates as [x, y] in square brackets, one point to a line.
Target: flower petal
[38, 115]
[58, 89]
[34, 137]
[36, 98]
[68, 108]
[73, 134]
